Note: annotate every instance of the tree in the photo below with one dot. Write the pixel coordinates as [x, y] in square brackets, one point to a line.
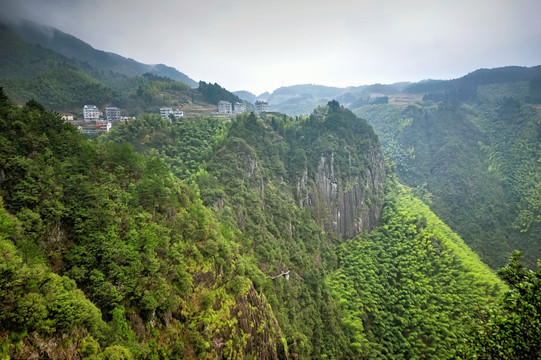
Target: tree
[514, 330]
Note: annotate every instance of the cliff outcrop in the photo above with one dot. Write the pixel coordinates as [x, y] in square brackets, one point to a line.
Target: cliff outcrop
[347, 206]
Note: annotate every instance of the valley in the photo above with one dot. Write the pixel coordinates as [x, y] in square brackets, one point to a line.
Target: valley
[395, 221]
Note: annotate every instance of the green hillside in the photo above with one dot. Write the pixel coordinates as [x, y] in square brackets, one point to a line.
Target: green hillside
[353, 299]
[472, 155]
[105, 254]
[321, 236]
[410, 288]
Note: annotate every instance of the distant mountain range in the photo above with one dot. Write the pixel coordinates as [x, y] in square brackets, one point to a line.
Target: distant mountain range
[302, 99]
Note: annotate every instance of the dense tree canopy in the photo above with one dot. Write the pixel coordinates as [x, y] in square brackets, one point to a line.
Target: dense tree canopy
[187, 240]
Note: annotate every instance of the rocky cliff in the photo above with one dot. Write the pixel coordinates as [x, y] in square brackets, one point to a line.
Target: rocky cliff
[345, 207]
[292, 186]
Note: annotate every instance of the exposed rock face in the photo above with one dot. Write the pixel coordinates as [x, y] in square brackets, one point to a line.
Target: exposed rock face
[345, 207]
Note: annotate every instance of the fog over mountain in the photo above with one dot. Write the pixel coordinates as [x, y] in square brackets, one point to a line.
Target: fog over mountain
[265, 45]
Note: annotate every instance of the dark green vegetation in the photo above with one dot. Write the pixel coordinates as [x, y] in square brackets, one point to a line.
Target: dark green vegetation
[409, 289]
[106, 253]
[471, 150]
[77, 50]
[213, 93]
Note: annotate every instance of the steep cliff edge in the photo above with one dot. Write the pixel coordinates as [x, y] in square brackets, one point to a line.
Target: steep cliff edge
[347, 207]
[346, 186]
[330, 162]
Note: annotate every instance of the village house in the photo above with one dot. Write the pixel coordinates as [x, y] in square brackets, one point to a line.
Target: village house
[166, 111]
[261, 106]
[225, 108]
[112, 113]
[91, 113]
[239, 107]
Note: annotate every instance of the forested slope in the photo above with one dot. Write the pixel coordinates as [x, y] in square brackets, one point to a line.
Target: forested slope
[411, 275]
[105, 253]
[412, 288]
[472, 154]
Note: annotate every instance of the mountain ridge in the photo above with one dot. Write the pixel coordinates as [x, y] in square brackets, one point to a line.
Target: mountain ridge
[72, 47]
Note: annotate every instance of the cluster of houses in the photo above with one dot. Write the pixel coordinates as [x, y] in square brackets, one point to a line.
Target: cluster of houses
[226, 108]
[95, 121]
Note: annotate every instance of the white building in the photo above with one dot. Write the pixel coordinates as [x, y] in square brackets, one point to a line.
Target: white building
[239, 107]
[261, 106]
[112, 113]
[91, 113]
[165, 112]
[224, 107]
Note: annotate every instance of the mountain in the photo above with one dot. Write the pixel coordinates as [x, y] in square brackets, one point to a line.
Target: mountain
[470, 148]
[508, 74]
[73, 48]
[301, 99]
[262, 237]
[67, 84]
[291, 187]
[246, 95]
[105, 251]
[266, 236]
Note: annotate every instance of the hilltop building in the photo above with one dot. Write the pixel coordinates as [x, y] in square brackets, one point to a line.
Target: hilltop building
[261, 106]
[166, 111]
[224, 107]
[239, 108]
[112, 113]
[91, 113]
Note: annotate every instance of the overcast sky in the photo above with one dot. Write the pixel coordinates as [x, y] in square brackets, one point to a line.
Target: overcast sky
[262, 45]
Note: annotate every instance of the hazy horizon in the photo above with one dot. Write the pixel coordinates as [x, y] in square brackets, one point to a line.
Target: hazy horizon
[261, 46]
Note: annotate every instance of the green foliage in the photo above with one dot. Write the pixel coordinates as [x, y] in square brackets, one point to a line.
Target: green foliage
[62, 86]
[147, 270]
[512, 331]
[214, 93]
[124, 230]
[476, 165]
[157, 91]
[408, 289]
[185, 145]
[34, 299]
[249, 178]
